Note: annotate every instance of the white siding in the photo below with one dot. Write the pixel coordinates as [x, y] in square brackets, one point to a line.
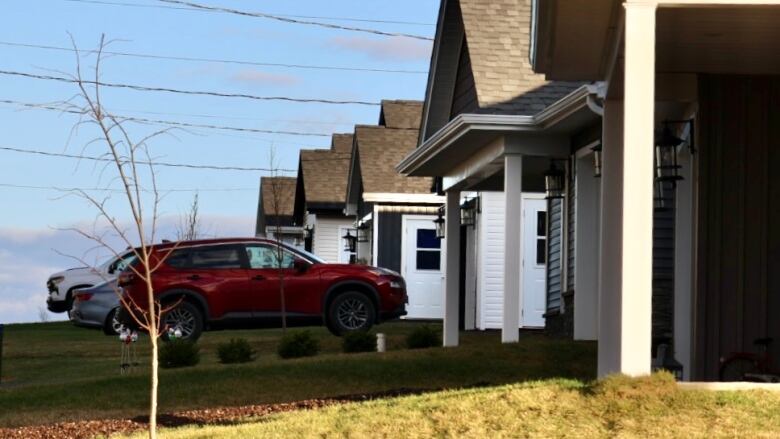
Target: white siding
[490, 245]
[327, 240]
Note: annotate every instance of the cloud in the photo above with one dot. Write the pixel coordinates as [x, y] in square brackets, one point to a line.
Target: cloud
[386, 49]
[249, 76]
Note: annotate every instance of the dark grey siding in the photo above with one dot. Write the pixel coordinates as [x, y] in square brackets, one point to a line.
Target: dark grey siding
[464, 99]
[554, 234]
[571, 201]
[389, 240]
[663, 269]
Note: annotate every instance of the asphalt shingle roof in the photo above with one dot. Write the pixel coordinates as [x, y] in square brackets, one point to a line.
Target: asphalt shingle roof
[379, 148]
[325, 171]
[498, 39]
[286, 191]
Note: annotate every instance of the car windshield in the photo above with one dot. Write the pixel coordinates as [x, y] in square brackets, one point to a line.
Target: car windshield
[310, 256]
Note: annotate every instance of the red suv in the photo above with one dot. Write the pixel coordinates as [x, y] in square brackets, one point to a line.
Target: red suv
[229, 280]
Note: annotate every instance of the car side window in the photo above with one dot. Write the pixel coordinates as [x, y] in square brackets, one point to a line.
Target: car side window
[220, 257]
[178, 258]
[265, 256]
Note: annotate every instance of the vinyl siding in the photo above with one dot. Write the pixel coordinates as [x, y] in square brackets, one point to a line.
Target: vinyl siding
[389, 241]
[465, 96]
[327, 241]
[554, 234]
[490, 276]
[571, 215]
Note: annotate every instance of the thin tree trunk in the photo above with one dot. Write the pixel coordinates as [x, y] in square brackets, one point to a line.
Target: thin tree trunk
[154, 328]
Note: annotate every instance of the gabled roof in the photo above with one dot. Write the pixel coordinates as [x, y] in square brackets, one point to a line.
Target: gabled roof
[284, 187]
[481, 64]
[324, 172]
[378, 148]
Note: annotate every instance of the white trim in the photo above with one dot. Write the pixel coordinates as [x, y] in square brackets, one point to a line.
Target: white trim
[683, 265]
[387, 197]
[405, 230]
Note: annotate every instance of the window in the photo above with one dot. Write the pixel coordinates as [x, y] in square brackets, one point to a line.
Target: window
[541, 238]
[265, 256]
[178, 258]
[224, 257]
[428, 250]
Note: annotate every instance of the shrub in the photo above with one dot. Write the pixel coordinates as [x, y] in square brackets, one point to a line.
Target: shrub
[359, 341]
[179, 353]
[298, 344]
[423, 337]
[237, 350]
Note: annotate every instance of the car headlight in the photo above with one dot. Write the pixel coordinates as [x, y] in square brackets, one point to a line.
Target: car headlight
[57, 280]
[382, 271]
[397, 284]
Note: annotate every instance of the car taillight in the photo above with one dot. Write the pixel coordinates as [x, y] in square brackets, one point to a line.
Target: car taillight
[83, 297]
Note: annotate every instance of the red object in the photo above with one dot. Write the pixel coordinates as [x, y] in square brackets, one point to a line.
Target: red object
[231, 279]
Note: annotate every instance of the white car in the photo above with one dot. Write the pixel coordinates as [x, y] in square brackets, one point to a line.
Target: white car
[62, 285]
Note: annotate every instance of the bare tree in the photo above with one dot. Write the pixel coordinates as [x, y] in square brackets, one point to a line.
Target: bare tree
[277, 200]
[189, 224]
[131, 167]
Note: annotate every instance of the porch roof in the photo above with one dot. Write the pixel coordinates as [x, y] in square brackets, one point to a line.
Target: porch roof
[463, 136]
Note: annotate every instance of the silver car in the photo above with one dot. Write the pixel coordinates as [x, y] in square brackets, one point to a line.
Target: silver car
[97, 307]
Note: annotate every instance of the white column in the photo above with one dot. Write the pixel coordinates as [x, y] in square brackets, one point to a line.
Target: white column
[452, 268]
[626, 302]
[587, 236]
[513, 191]
[683, 265]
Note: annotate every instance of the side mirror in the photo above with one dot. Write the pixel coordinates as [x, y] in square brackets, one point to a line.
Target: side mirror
[300, 265]
[112, 268]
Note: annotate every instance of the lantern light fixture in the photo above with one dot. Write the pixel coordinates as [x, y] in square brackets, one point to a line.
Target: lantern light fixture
[554, 182]
[597, 157]
[468, 211]
[363, 232]
[350, 242]
[439, 223]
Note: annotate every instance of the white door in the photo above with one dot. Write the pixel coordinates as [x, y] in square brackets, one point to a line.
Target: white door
[344, 253]
[422, 261]
[534, 261]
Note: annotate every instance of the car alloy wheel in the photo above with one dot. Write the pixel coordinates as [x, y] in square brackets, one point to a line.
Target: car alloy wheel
[352, 314]
[182, 319]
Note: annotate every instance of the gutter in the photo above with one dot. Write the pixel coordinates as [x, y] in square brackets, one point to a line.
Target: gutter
[464, 123]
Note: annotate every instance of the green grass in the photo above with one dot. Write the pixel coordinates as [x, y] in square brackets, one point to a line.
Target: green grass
[56, 372]
[616, 407]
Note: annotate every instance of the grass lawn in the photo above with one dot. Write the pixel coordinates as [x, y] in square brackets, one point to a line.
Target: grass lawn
[55, 372]
[616, 407]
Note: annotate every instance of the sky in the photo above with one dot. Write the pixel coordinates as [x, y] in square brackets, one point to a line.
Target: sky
[34, 240]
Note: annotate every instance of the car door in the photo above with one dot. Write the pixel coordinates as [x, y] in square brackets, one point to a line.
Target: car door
[301, 288]
[217, 271]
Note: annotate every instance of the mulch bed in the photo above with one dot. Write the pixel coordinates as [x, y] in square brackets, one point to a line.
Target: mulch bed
[215, 416]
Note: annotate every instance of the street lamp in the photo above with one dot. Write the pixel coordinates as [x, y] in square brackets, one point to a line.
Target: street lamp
[554, 182]
[439, 223]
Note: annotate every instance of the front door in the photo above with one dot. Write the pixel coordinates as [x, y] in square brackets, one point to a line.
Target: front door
[534, 255]
[422, 268]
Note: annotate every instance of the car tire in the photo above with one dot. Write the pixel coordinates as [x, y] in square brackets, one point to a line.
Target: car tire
[185, 316]
[349, 312]
[112, 325]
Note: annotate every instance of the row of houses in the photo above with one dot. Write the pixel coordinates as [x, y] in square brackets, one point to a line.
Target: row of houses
[606, 170]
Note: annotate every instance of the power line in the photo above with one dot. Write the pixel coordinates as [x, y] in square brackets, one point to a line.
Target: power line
[155, 163]
[363, 20]
[169, 122]
[99, 189]
[293, 20]
[212, 60]
[187, 92]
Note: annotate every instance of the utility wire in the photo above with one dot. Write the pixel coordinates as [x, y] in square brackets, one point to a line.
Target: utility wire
[167, 122]
[99, 189]
[363, 20]
[155, 163]
[211, 60]
[187, 92]
[293, 20]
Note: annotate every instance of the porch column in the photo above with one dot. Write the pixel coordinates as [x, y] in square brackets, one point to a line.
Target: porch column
[627, 225]
[683, 264]
[452, 268]
[513, 191]
[586, 277]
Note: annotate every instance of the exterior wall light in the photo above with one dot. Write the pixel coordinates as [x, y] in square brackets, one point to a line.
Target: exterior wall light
[468, 212]
[350, 242]
[439, 223]
[666, 166]
[597, 160]
[363, 232]
[554, 182]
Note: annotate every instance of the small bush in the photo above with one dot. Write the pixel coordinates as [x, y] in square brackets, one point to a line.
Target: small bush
[237, 350]
[298, 344]
[359, 341]
[423, 337]
[179, 353]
